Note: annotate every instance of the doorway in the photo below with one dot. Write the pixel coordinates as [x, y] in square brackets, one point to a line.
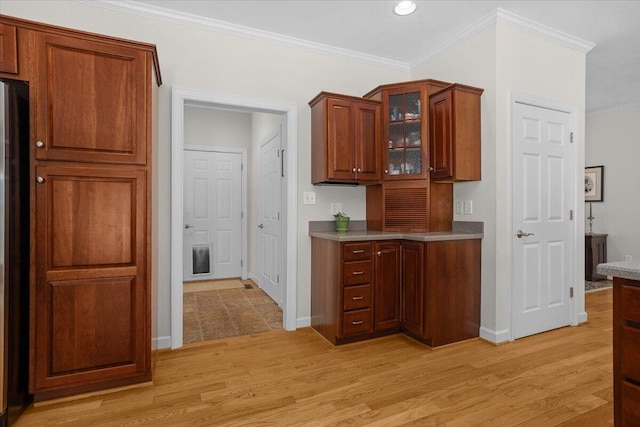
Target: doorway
[544, 202]
[185, 98]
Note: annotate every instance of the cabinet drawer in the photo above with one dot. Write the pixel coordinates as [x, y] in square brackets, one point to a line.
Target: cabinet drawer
[630, 298]
[357, 251]
[630, 353]
[356, 297]
[630, 404]
[356, 273]
[356, 322]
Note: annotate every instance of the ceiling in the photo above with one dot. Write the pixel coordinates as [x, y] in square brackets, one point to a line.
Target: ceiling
[371, 28]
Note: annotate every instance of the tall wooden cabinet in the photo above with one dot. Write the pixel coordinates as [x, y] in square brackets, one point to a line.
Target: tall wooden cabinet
[91, 105]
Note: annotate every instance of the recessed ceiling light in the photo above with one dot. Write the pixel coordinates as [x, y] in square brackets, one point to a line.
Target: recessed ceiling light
[404, 8]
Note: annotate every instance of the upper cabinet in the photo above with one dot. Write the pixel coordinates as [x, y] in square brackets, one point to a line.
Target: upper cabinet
[404, 146]
[91, 100]
[454, 134]
[344, 139]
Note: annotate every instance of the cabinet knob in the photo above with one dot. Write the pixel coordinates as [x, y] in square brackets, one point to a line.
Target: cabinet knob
[40, 180]
[379, 253]
[353, 170]
[39, 144]
[431, 169]
[359, 170]
[386, 171]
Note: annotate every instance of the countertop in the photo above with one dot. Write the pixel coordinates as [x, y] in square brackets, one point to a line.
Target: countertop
[363, 235]
[623, 269]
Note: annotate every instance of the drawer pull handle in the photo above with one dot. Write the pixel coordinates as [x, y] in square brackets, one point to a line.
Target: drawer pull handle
[357, 298]
[359, 251]
[358, 273]
[357, 322]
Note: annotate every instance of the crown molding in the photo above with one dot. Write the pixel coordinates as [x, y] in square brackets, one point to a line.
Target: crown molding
[501, 16]
[209, 24]
[633, 104]
[528, 26]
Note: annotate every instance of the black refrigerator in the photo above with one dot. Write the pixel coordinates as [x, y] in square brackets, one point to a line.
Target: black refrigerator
[14, 250]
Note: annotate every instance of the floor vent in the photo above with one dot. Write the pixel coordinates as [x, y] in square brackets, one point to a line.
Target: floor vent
[248, 286]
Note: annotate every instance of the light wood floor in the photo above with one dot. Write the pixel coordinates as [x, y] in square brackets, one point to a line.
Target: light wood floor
[562, 377]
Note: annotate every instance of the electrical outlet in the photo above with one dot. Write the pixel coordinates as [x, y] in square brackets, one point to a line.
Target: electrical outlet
[468, 207]
[309, 198]
[459, 207]
[335, 208]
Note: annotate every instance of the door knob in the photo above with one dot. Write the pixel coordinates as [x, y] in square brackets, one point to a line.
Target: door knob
[520, 234]
[260, 225]
[188, 226]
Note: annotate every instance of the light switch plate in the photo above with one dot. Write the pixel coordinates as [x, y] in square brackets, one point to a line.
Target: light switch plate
[468, 207]
[459, 205]
[309, 198]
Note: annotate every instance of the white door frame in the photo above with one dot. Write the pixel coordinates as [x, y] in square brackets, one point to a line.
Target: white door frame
[243, 172]
[185, 97]
[578, 179]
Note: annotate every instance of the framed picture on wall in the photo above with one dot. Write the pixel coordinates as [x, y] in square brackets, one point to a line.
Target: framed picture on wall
[594, 184]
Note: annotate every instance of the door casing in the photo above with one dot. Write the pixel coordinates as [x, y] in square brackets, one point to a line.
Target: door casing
[185, 97]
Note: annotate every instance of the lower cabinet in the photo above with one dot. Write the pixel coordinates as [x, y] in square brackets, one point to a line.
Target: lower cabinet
[430, 291]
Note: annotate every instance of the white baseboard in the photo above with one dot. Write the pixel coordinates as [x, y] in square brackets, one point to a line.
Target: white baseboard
[493, 336]
[254, 278]
[158, 343]
[303, 322]
[582, 317]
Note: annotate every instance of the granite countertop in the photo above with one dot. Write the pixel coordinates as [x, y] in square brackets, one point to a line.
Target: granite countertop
[623, 269]
[461, 230]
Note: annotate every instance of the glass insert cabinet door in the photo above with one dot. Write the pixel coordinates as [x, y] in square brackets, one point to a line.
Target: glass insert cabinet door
[405, 150]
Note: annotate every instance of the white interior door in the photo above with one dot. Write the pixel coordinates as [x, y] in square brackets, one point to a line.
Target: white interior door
[270, 181]
[543, 199]
[212, 215]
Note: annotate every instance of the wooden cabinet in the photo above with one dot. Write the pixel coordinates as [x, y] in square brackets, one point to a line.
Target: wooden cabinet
[361, 290]
[626, 352]
[8, 49]
[387, 285]
[91, 101]
[454, 134]
[595, 252]
[405, 123]
[91, 116]
[344, 139]
[92, 299]
[414, 206]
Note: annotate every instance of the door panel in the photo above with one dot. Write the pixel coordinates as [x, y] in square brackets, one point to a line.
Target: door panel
[341, 144]
[212, 215]
[107, 86]
[367, 141]
[270, 205]
[543, 194]
[91, 302]
[441, 128]
[413, 301]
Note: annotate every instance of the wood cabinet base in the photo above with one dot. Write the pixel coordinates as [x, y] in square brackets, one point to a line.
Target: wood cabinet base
[45, 395]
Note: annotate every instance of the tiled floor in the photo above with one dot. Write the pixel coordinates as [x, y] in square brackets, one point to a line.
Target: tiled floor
[224, 313]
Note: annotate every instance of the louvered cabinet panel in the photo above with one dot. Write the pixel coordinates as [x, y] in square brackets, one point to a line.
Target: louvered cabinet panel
[406, 209]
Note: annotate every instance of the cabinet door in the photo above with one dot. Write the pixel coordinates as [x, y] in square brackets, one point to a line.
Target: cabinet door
[8, 49]
[91, 101]
[92, 298]
[441, 135]
[387, 285]
[404, 147]
[340, 140]
[367, 141]
[413, 300]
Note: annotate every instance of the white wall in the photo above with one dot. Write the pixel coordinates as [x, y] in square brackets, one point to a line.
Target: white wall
[501, 59]
[197, 59]
[613, 140]
[219, 128]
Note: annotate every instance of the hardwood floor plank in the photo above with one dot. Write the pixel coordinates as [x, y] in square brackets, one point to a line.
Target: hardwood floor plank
[562, 377]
